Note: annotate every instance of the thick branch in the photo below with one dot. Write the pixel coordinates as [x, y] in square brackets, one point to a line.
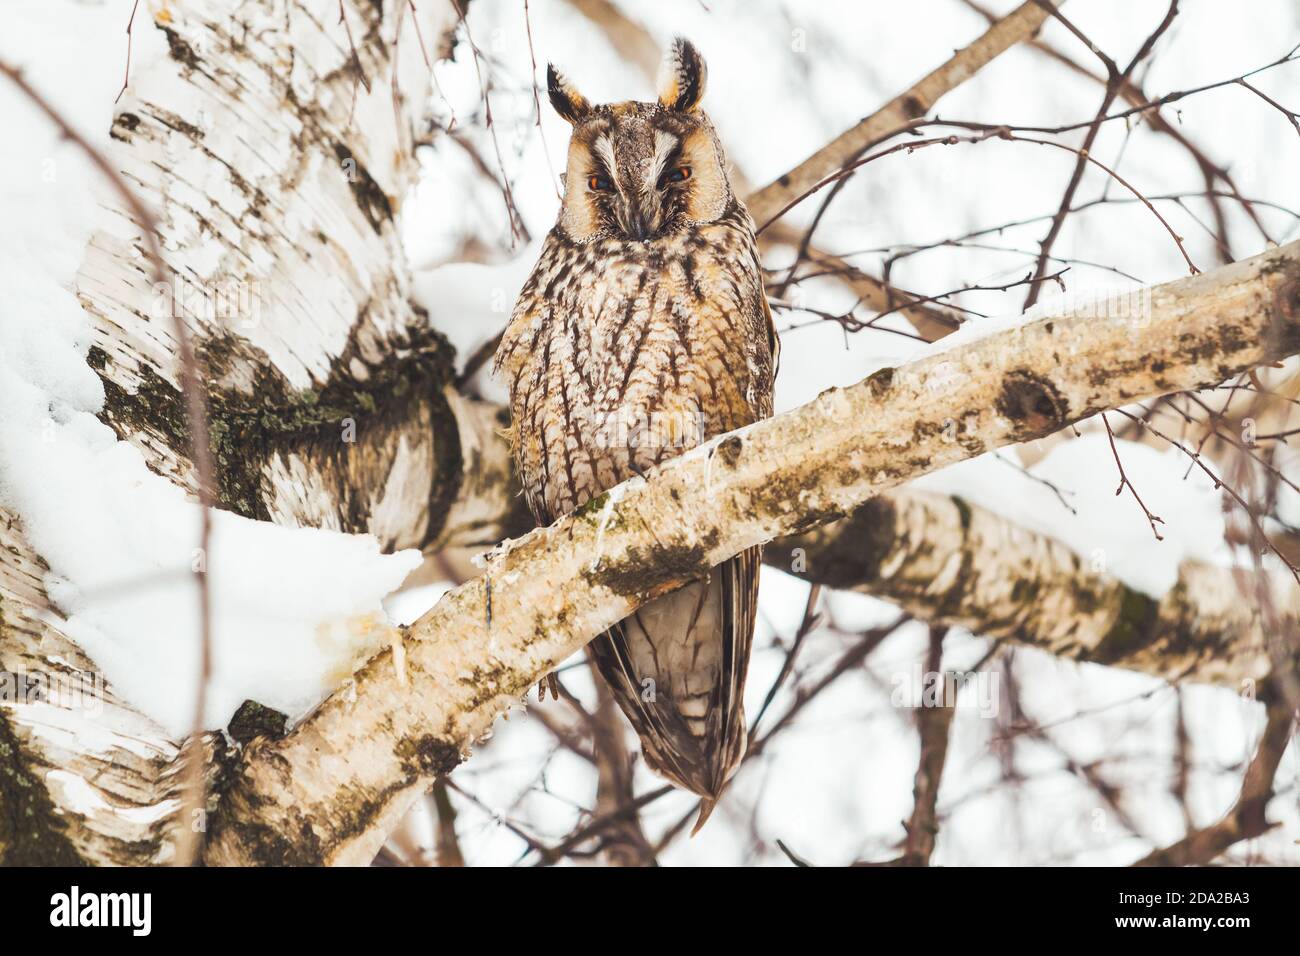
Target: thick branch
[331, 790]
[950, 562]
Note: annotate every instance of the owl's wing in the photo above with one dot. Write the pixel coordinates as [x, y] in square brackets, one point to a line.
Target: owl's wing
[677, 669]
[740, 603]
[773, 338]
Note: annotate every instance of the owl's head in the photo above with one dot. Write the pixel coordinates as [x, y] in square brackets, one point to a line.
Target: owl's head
[640, 171]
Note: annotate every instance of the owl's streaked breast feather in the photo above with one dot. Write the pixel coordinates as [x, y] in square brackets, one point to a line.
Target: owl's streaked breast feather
[672, 332]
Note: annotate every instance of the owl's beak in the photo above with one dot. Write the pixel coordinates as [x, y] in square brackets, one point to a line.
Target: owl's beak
[639, 216]
[635, 224]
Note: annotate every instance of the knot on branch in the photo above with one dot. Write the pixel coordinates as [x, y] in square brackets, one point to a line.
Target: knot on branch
[1032, 403]
[1284, 324]
[428, 755]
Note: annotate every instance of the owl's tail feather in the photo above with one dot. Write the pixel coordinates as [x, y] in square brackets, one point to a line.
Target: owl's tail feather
[677, 669]
[706, 808]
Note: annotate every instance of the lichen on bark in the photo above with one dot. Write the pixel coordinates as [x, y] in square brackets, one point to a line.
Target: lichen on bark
[32, 831]
[247, 429]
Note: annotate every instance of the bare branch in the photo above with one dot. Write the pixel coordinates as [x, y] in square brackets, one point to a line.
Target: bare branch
[898, 113]
[1246, 819]
[933, 724]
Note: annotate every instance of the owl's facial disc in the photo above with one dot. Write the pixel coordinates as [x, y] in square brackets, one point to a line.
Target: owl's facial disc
[638, 173]
[640, 180]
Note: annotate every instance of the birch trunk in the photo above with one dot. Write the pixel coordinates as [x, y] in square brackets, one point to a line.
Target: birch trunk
[275, 159]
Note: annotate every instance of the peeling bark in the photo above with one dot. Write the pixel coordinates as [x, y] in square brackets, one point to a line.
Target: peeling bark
[83, 777]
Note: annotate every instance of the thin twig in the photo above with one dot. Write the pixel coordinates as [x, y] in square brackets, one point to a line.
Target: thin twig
[126, 78]
[1152, 519]
[1245, 820]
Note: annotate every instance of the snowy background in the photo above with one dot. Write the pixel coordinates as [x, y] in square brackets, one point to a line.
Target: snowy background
[836, 785]
[784, 78]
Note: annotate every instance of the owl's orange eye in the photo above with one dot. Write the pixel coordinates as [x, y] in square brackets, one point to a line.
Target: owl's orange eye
[678, 175]
[599, 184]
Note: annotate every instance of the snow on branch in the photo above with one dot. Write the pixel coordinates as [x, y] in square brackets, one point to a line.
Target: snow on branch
[331, 790]
[273, 173]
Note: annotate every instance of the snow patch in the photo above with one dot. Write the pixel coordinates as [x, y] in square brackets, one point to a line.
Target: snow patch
[470, 303]
[293, 610]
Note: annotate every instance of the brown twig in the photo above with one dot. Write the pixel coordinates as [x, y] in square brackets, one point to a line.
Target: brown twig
[1246, 819]
[517, 230]
[806, 626]
[359, 74]
[984, 132]
[419, 35]
[1220, 484]
[448, 846]
[126, 78]
[933, 725]
[1124, 482]
[623, 841]
[1132, 93]
[895, 115]
[537, 101]
[1291, 115]
[1115, 80]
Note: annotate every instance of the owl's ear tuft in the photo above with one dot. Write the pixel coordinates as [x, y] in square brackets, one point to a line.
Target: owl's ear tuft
[682, 77]
[566, 99]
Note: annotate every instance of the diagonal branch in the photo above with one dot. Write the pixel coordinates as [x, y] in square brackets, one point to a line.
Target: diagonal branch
[896, 115]
[332, 790]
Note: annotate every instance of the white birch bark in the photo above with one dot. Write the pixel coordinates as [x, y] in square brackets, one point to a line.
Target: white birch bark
[276, 198]
[951, 562]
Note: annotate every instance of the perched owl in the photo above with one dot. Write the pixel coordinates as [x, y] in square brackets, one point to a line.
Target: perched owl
[642, 331]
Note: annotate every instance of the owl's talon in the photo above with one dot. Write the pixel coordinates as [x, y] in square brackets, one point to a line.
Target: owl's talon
[549, 682]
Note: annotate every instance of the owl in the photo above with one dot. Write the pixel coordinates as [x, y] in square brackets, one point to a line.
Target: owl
[642, 331]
